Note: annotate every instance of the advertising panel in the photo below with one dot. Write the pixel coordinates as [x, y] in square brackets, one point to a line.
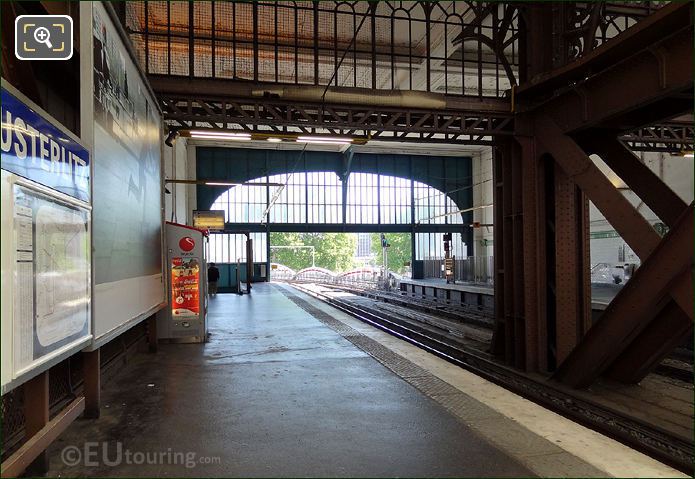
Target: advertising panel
[185, 287]
[129, 283]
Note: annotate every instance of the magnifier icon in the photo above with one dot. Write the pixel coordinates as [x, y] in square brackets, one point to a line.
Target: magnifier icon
[42, 35]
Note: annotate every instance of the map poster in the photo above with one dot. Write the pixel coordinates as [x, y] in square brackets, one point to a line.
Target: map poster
[52, 255]
[185, 287]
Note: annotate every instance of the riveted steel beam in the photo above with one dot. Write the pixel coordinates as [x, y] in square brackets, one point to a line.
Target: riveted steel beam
[627, 221]
[385, 123]
[666, 272]
[657, 340]
[661, 199]
[670, 137]
[630, 82]
[645, 35]
[572, 282]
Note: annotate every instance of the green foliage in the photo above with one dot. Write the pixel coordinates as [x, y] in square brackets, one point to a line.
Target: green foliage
[334, 251]
[398, 253]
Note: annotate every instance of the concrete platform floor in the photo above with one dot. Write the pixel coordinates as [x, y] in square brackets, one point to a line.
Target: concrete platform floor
[274, 393]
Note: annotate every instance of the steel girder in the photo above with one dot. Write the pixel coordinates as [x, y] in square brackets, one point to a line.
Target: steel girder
[632, 324]
[645, 321]
[634, 80]
[645, 35]
[667, 137]
[510, 323]
[384, 123]
[661, 199]
[543, 295]
[648, 86]
[650, 347]
[344, 227]
[624, 217]
[627, 221]
[473, 125]
[227, 103]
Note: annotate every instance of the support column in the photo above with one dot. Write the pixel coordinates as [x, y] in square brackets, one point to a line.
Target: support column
[532, 245]
[267, 253]
[572, 281]
[627, 221]
[516, 254]
[508, 272]
[497, 346]
[92, 383]
[249, 263]
[521, 297]
[413, 252]
[36, 414]
[541, 255]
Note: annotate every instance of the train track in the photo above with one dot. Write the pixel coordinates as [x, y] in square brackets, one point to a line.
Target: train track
[677, 366]
[634, 432]
[470, 314]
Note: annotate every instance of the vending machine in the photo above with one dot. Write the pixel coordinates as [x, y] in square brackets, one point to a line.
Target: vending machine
[185, 318]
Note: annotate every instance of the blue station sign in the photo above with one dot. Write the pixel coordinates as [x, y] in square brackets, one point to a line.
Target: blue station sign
[35, 148]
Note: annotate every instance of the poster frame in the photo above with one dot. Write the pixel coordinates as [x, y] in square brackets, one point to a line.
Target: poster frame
[54, 357]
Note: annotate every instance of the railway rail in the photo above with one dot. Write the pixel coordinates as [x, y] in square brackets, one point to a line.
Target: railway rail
[465, 351]
[678, 366]
[471, 314]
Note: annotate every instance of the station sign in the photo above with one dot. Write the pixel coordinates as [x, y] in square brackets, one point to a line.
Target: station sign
[37, 149]
[209, 219]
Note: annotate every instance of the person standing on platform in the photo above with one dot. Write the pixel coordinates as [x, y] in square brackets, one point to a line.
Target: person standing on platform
[213, 277]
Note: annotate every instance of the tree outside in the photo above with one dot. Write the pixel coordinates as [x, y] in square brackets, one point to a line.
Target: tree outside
[333, 251]
[398, 253]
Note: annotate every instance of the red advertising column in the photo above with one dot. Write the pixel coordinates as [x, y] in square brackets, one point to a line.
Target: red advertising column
[184, 321]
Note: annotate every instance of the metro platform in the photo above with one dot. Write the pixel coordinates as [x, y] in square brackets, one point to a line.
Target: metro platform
[288, 386]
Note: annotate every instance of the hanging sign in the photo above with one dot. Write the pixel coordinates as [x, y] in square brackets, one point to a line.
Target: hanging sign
[209, 220]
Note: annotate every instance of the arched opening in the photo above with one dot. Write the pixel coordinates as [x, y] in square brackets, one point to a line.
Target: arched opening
[295, 216]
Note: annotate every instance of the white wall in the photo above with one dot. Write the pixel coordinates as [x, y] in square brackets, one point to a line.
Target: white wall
[483, 188]
[176, 167]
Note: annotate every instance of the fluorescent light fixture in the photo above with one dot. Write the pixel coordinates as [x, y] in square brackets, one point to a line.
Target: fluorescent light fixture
[220, 183]
[324, 140]
[220, 135]
[274, 140]
[685, 153]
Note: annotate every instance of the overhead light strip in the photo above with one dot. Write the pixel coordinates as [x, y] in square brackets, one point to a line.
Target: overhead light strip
[324, 140]
[272, 138]
[220, 135]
